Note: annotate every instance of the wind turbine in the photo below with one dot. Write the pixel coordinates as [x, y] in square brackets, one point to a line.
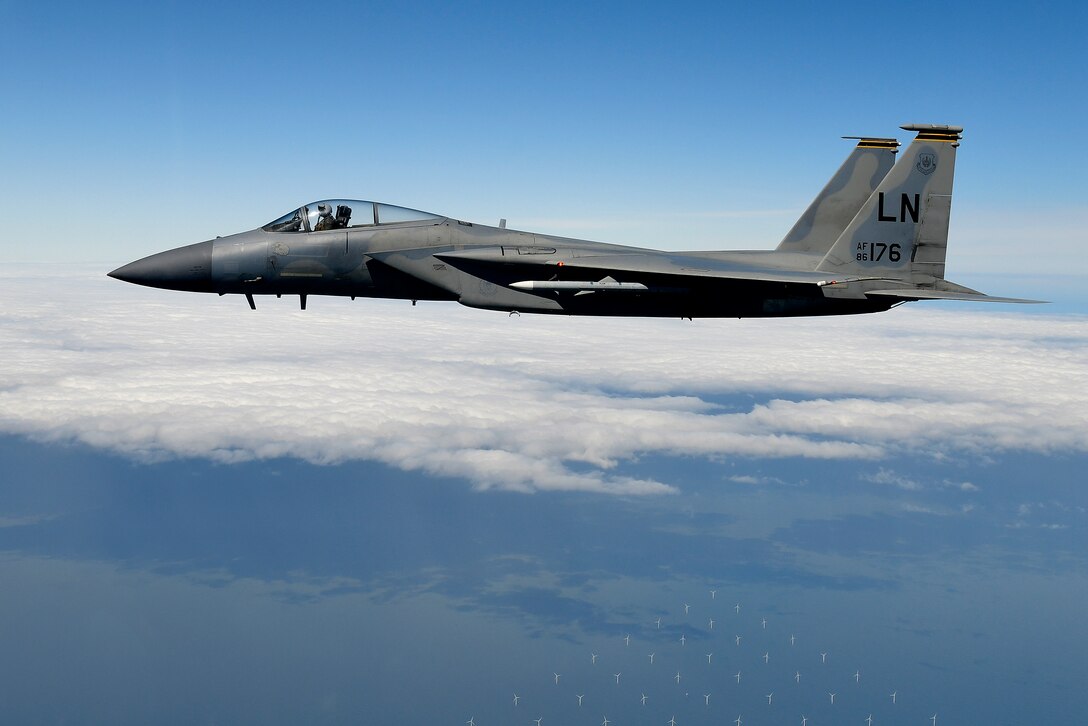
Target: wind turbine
[471, 721]
[686, 608]
[764, 623]
[737, 722]
[933, 718]
[823, 657]
[593, 658]
[706, 698]
[869, 721]
[538, 720]
[658, 621]
[857, 677]
[832, 698]
[738, 676]
[652, 658]
[712, 623]
[627, 639]
[677, 678]
[605, 722]
[769, 696]
[713, 594]
[804, 720]
[737, 608]
[792, 640]
[708, 657]
[643, 699]
[892, 694]
[797, 676]
[516, 699]
[580, 697]
[617, 675]
[738, 640]
[556, 678]
[671, 721]
[767, 657]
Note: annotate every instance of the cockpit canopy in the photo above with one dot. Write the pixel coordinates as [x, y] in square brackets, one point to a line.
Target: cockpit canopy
[343, 213]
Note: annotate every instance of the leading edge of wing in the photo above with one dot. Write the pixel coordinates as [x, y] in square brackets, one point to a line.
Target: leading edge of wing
[650, 263]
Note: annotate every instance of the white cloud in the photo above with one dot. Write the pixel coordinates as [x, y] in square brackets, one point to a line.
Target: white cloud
[25, 521]
[921, 509]
[525, 403]
[885, 476]
[963, 486]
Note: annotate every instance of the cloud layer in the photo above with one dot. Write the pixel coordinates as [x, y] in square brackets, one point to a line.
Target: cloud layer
[522, 403]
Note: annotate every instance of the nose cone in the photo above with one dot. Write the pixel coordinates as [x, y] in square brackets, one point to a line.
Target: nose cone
[185, 268]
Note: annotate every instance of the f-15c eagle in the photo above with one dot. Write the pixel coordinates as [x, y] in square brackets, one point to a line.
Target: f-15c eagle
[874, 237]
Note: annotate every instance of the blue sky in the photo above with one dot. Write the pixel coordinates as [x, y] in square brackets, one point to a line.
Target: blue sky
[697, 126]
[375, 512]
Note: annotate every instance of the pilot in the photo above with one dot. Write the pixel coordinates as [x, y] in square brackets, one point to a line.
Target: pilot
[325, 218]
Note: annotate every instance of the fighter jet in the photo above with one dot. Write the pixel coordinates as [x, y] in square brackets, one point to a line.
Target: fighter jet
[873, 238]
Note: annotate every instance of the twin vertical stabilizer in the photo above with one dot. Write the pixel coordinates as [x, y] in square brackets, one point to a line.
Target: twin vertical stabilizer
[901, 232]
[839, 201]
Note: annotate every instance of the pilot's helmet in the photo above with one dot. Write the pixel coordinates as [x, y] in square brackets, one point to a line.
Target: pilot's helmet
[324, 210]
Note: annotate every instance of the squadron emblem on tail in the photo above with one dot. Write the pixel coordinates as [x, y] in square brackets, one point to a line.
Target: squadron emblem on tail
[927, 163]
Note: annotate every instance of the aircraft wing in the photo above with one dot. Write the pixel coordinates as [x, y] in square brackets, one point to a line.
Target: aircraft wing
[535, 278]
[588, 271]
[676, 266]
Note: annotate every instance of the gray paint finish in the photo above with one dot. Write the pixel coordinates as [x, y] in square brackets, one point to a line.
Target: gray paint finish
[875, 236]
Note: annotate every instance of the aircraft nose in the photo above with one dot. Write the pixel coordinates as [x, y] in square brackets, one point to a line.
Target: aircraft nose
[184, 268]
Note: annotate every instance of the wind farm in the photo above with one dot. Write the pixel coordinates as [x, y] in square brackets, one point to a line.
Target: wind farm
[674, 684]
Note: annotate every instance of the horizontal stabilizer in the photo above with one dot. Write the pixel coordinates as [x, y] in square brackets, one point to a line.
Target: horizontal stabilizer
[918, 294]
